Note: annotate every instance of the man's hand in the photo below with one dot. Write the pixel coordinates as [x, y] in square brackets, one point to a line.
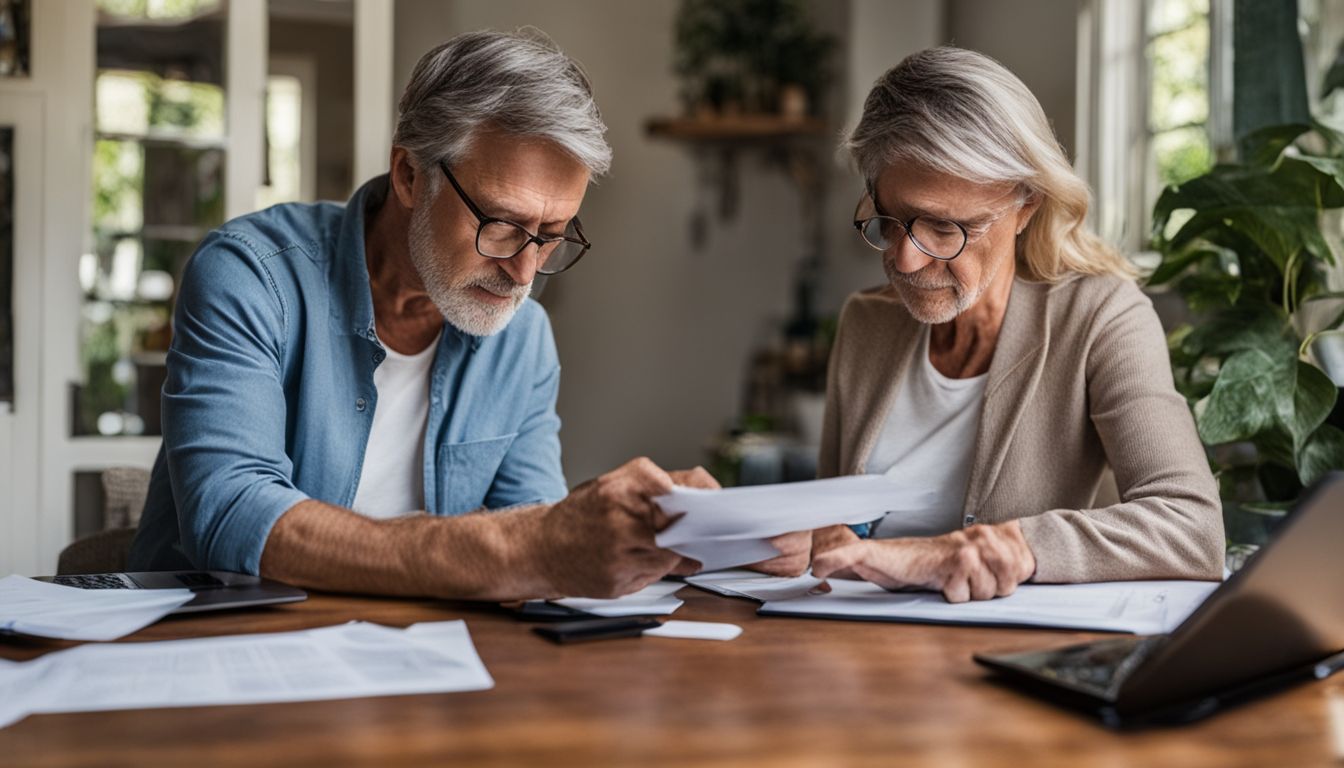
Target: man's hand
[976, 563]
[598, 540]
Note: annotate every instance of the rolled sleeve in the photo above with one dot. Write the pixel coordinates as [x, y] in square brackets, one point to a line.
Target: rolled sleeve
[224, 410]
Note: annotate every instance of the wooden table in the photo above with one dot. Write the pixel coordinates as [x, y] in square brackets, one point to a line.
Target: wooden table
[787, 692]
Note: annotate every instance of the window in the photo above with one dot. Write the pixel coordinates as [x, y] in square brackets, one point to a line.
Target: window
[1177, 48]
[158, 187]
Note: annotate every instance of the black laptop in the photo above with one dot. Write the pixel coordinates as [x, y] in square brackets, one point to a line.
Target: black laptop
[1278, 620]
[214, 590]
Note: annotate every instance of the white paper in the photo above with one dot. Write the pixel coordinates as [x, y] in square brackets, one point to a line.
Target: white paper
[653, 600]
[717, 554]
[753, 585]
[351, 660]
[695, 630]
[1141, 607]
[68, 613]
[727, 527]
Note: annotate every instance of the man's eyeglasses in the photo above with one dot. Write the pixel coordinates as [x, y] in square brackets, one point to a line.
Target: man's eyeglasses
[943, 239]
[502, 239]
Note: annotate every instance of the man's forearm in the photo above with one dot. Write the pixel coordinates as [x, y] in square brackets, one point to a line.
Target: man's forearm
[475, 557]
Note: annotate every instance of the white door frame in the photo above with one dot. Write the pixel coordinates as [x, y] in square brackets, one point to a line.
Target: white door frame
[48, 302]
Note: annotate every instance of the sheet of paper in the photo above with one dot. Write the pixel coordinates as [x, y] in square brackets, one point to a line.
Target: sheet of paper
[695, 630]
[753, 585]
[351, 660]
[726, 527]
[717, 554]
[50, 610]
[1141, 607]
[653, 600]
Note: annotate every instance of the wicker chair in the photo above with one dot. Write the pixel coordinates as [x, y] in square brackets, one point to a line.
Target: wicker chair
[124, 490]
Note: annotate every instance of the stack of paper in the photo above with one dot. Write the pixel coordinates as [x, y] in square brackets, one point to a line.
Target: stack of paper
[1142, 607]
[50, 610]
[753, 585]
[729, 527]
[653, 600]
[351, 660]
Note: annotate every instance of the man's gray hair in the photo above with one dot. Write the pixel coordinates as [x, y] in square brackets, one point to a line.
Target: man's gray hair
[518, 83]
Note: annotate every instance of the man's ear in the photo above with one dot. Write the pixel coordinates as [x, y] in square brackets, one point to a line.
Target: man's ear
[403, 177]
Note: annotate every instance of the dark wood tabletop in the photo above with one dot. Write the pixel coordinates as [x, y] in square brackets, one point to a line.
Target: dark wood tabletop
[786, 692]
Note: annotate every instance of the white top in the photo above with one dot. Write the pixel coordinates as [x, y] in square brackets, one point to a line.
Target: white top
[927, 445]
[392, 482]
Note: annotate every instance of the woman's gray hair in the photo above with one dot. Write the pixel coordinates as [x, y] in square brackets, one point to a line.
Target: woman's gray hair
[519, 83]
[964, 114]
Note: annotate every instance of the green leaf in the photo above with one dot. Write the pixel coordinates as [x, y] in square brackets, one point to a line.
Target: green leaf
[1264, 146]
[1313, 398]
[1195, 253]
[1323, 452]
[1237, 329]
[1252, 390]
[1268, 508]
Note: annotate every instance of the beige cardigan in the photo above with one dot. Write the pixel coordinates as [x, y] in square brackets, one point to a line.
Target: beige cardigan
[1080, 378]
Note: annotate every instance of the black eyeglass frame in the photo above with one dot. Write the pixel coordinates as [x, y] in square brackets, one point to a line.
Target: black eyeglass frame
[860, 224]
[540, 240]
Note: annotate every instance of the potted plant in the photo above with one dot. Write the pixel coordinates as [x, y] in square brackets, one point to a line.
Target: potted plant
[757, 56]
[1244, 245]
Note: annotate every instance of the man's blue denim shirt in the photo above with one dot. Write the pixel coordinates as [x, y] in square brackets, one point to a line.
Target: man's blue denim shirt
[270, 397]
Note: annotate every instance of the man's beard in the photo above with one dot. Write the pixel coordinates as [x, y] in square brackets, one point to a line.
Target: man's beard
[451, 289]
[924, 293]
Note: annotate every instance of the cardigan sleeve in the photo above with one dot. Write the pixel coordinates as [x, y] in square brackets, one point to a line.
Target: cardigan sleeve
[1168, 523]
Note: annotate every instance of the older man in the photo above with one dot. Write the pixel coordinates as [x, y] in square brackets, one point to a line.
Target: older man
[335, 370]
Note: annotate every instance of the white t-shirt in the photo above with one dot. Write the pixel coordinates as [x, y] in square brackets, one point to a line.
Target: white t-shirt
[392, 482]
[927, 444]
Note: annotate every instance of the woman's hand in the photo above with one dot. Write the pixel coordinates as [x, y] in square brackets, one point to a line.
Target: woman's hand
[976, 563]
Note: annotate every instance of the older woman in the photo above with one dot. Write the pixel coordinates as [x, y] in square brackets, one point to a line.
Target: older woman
[1010, 360]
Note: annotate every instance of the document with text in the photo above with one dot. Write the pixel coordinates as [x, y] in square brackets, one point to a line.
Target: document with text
[1141, 607]
[346, 661]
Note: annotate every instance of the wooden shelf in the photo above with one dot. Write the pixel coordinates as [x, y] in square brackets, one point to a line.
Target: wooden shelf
[739, 128]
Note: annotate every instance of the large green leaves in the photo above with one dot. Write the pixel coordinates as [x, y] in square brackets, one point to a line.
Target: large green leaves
[1274, 400]
[1323, 452]
[1276, 209]
[1244, 246]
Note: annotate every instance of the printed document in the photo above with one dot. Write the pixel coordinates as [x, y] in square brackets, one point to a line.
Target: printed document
[346, 661]
[1141, 607]
[44, 609]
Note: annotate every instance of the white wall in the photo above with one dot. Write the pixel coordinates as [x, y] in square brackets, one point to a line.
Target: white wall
[654, 337]
[1036, 39]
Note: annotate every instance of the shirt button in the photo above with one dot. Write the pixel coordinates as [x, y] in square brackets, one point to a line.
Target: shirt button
[970, 520]
[360, 404]
[377, 357]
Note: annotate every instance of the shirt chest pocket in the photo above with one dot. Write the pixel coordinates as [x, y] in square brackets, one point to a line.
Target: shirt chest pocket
[467, 470]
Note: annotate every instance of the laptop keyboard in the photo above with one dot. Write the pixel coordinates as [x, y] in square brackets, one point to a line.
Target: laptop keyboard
[96, 581]
[1100, 665]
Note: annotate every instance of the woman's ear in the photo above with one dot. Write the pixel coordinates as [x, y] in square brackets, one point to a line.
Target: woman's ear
[1028, 210]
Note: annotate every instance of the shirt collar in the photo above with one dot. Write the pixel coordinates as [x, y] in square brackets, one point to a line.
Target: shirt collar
[354, 313]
